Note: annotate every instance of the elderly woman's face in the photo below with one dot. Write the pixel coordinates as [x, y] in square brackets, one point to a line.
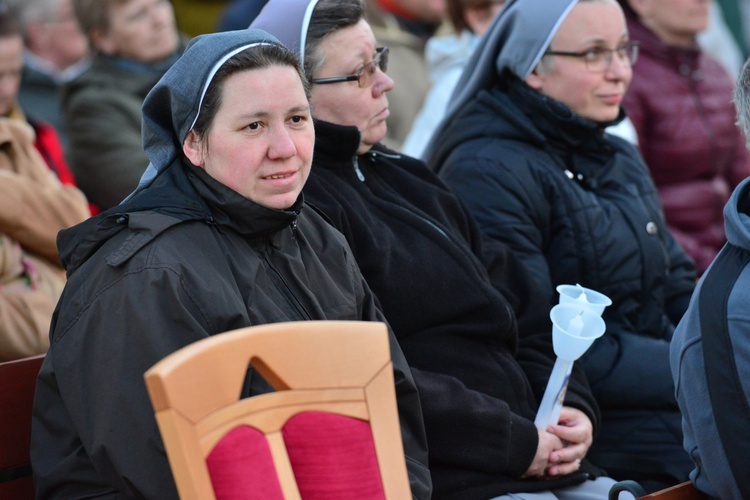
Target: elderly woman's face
[593, 95]
[343, 53]
[143, 30]
[261, 140]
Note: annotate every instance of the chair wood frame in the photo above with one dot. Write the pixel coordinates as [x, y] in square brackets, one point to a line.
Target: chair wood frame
[682, 491]
[340, 367]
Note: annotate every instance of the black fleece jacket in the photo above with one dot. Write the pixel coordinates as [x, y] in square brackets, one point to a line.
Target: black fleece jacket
[473, 327]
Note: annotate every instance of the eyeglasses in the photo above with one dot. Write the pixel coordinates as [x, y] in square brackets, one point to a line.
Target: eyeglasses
[598, 60]
[365, 74]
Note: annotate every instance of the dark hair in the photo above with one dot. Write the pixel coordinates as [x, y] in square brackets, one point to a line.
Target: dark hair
[456, 9]
[9, 27]
[258, 57]
[328, 17]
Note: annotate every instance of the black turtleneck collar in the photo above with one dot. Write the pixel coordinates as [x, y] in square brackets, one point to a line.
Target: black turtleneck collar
[335, 141]
[555, 120]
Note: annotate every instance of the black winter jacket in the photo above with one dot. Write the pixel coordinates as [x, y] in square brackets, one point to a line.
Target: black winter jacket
[577, 206]
[185, 259]
[472, 325]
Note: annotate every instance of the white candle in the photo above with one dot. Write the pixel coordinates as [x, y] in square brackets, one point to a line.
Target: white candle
[575, 326]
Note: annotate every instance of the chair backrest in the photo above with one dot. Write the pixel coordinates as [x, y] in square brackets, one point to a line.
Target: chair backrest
[330, 431]
[17, 384]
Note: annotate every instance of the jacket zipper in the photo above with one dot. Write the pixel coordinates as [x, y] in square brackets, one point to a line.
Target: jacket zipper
[291, 297]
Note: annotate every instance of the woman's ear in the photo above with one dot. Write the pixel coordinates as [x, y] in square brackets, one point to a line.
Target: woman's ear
[534, 80]
[193, 149]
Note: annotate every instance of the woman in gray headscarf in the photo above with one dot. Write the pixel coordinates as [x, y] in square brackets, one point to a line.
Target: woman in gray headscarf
[524, 146]
[219, 239]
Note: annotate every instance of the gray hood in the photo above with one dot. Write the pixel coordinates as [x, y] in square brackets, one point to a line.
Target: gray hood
[737, 222]
[288, 20]
[171, 108]
[515, 42]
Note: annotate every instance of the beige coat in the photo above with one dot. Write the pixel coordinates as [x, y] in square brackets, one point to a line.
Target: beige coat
[34, 206]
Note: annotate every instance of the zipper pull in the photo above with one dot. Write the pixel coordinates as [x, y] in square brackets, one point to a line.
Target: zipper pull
[355, 164]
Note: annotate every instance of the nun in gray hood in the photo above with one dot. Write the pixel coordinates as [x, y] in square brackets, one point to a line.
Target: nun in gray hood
[217, 239]
[524, 145]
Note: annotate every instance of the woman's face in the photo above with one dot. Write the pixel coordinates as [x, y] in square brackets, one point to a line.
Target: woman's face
[143, 30]
[675, 22]
[260, 142]
[593, 95]
[343, 53]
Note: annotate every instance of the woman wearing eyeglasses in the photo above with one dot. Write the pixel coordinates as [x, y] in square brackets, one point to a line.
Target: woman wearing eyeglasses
[473, 326]
[680, 104]
[524, 146]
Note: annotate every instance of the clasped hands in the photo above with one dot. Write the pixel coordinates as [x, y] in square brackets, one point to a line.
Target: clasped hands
[562, 447]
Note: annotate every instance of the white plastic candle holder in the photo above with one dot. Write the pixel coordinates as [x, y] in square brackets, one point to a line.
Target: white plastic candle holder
[575, 326]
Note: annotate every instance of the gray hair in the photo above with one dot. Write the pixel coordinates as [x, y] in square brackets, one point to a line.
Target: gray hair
[33, 11]
[742, 101]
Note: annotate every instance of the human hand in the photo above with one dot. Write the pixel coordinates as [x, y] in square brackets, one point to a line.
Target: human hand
[548, 443]
[575, 429]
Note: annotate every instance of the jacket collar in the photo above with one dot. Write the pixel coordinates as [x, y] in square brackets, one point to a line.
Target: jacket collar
[684, 60]
[557, 122]
[337, 142]
[228, 208]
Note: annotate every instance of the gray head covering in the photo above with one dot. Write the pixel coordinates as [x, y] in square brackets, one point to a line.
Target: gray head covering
[171, 108]
[515, 42]
[287, 20]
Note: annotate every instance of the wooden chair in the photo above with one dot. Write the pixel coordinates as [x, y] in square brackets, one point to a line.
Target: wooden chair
[17, 385]
[682, 491]
[331, 430]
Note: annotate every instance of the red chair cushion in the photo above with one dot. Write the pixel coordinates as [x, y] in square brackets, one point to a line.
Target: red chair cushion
[241, 467]
[333, 456]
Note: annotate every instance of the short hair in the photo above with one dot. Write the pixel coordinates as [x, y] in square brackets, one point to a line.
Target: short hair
[94, 14]
[32, 11]
[257, 57]
[742, 101]
[328, 17]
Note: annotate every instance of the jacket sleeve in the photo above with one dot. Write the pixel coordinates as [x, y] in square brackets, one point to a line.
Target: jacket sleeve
[27, 301]
[105, 152]
[34, 205]
[413, 432]
[91, 405]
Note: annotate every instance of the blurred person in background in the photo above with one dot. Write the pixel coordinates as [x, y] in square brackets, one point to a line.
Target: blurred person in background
[446, 57]
[34, 206]
[55, 52]
[680, 104]
[134, 42]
